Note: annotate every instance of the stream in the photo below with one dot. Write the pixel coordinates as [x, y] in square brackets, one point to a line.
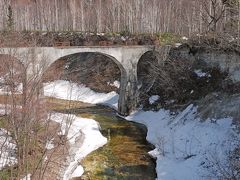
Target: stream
[125, 156]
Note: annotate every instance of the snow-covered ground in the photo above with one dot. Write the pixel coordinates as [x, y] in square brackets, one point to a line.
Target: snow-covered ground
[114, 84]
[84, 137]
[88, 129]
[73, 91]
[7, 149]
[184, 143]
[83, 134]
[6, 109]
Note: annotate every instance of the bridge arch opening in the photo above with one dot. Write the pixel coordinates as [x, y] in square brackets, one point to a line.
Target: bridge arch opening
[100, 72]
[147, 72]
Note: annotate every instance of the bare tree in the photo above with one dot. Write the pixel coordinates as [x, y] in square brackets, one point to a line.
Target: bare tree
[26, 118]
[184, 17]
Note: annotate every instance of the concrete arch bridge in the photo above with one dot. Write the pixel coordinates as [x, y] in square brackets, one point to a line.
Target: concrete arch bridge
[38, 59]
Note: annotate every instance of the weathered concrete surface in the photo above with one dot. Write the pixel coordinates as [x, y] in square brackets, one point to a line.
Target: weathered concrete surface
[226, 60]
[38, 59]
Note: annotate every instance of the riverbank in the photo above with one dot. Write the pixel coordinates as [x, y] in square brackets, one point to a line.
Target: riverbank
[119, 160]
[77, 92]
[185, 144]
[187, 147]
[83, 135]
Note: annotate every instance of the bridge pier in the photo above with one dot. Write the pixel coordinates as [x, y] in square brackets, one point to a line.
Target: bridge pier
[128, 96]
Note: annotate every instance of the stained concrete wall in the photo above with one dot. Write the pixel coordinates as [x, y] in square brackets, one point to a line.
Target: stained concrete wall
[226, 60]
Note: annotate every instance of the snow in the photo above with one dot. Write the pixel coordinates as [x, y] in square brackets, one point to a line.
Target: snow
[75, 127]
[5, 109]
[73, 91]
[45, 159]
[184, 38]
[49, 144]
[28, 177]
[114, 84]
[183, 141]
[178, 44]
[5, 89]
[100, 34]
[200, 73]
[77, 172]
[84, 137]
[7, 149]
[153, 99]
[123, 38]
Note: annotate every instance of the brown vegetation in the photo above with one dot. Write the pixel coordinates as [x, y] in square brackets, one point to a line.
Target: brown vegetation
[175, 81]
[66, 39]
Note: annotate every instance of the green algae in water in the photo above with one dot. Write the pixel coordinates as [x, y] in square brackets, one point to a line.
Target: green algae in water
[124, 156]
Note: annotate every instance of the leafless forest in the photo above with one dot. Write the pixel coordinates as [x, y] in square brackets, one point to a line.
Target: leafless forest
[185, 17]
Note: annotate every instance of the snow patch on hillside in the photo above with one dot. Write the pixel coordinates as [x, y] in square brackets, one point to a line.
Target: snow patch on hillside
[183, 141]
[72, 91]
[153, 99]
[200, 73]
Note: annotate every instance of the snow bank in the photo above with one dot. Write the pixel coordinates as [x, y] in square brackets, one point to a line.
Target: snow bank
[84, 137]
[72, 91]
[183, 142]
[28, 177]
[7, 149]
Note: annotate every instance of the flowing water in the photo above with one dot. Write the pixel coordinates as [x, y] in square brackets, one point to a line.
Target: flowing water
[125, 156]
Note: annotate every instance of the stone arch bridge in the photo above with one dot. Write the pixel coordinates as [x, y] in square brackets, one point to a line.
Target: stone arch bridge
[38, 59]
